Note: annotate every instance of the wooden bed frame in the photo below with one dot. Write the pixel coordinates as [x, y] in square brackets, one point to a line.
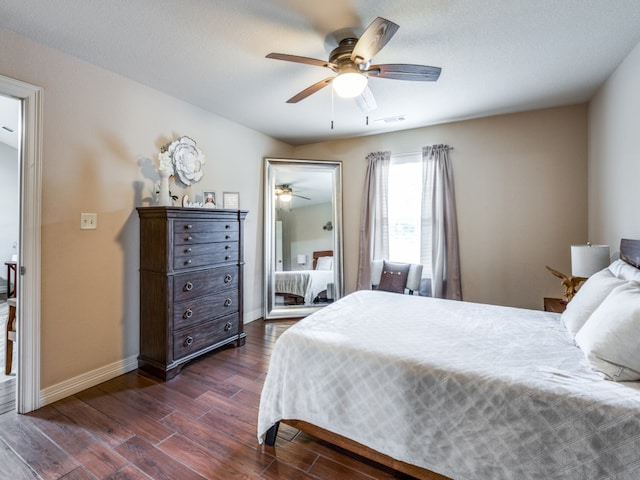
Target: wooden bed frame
[354, 447]
[321, 253]
[629, 252]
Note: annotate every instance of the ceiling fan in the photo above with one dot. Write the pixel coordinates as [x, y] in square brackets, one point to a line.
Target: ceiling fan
[351, 61]
[285, 193]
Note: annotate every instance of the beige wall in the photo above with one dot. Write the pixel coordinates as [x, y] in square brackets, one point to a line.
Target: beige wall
[521, 196]
[101, 134]
[614, 156]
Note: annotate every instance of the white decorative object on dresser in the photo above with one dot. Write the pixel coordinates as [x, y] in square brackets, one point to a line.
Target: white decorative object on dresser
[191, 263]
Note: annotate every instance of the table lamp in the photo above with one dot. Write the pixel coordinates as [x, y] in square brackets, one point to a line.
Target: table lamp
[588, 259]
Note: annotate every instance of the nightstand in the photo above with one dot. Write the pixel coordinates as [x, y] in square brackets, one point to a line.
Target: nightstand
[554, 305]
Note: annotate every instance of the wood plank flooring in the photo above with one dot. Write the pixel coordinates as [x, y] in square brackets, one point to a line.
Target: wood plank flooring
[199, 425]
[7, 396]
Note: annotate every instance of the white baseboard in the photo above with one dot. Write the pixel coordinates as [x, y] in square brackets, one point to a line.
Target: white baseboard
[253, 315]
[91, 379]
[87, 380]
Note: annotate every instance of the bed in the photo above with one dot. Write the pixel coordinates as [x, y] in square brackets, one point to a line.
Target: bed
[462, 390]
[306, 287]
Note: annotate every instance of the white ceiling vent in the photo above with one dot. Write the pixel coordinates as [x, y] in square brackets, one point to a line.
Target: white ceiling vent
[395, 119]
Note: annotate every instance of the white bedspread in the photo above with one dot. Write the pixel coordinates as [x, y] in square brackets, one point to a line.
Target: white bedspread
[305, 283]
[467, 390]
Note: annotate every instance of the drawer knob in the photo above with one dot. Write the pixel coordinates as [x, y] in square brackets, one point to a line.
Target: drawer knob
[187, 250]
[227, 326]
[188, 313]
[227, 302]
[227, 227]
[227, 247]
[228, 278]
[188, 226]
[188, 341]
[227, 257]
[227, 237]
[188, 286]
[187, 262]
[188, 239]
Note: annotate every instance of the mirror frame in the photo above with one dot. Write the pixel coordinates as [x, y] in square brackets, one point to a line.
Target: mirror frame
[271, 167]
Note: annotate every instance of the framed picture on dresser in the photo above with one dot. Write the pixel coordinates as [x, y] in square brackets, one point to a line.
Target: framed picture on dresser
[231, 200]
[209, 199]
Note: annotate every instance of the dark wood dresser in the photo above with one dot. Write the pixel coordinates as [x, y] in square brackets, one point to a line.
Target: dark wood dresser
[191, 262]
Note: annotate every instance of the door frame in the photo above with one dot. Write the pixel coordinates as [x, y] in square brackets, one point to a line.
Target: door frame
[29, 247]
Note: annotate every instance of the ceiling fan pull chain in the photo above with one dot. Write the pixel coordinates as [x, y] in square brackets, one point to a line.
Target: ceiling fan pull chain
[332, 109]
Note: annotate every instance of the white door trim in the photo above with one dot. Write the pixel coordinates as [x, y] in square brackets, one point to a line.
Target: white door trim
[28, 384]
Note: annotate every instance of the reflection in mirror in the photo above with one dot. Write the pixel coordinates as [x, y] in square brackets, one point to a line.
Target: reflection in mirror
[303, 236]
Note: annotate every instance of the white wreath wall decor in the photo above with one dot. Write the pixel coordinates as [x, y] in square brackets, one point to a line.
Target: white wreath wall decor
[182, 158]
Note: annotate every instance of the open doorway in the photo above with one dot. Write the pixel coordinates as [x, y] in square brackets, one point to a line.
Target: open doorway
[9, 234]
[27, 294]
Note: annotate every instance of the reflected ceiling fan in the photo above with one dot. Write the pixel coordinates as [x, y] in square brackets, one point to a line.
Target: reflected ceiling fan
[351, 61]
[285, 193]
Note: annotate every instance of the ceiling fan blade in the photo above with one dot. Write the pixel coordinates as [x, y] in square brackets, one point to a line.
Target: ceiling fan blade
[300, 196]
[366, 101]
[405, 71]
[373, 39]
[310, 90]
[305, 60]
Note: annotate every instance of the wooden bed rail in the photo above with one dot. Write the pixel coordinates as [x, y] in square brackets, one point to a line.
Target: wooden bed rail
[355, 447]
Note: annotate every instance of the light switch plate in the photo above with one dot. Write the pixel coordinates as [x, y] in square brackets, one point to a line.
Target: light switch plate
[88, 221]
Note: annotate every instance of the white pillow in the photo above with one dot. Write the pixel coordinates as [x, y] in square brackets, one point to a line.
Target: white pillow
[609, 339]
[624, 271]
[588, 298]
[324, 263]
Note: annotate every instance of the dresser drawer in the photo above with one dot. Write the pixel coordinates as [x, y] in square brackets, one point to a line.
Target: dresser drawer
[191, 238]
[204, 248]
[192, 339]
[208, 254]
[192, 285]
[201, 309]
[198, 231]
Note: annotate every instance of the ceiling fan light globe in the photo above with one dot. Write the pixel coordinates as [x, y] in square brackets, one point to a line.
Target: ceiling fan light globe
[285, 197]
[350, 84]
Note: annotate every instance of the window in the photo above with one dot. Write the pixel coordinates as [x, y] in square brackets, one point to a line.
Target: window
[405, 212]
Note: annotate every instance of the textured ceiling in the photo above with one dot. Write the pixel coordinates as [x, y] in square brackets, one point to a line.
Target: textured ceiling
[497, 56]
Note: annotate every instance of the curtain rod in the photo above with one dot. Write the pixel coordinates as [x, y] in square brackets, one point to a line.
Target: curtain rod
[415, 153]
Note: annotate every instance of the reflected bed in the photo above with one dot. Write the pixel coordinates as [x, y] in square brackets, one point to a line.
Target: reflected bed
[305, 287]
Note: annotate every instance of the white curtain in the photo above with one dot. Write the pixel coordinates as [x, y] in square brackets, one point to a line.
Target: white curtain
[374, 223]
[440, 232]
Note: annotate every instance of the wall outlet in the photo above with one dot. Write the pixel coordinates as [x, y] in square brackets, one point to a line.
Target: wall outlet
[88, 221]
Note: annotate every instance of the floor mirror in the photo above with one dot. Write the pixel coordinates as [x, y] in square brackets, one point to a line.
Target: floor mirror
[303, 236]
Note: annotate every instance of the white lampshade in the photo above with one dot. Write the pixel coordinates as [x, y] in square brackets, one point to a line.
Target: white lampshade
[349, 84]
[302, 259]
[588, 259]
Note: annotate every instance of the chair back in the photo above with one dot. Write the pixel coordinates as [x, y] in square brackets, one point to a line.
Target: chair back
[413, 279]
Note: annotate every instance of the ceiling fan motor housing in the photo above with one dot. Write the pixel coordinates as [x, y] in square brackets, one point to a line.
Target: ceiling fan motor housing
[341, 56]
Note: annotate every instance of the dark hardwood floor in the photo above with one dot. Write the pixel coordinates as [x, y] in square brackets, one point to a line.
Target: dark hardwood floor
[7, 396]
[201, 424]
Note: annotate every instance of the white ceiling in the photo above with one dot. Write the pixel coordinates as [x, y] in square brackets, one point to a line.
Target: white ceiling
[497, 56]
